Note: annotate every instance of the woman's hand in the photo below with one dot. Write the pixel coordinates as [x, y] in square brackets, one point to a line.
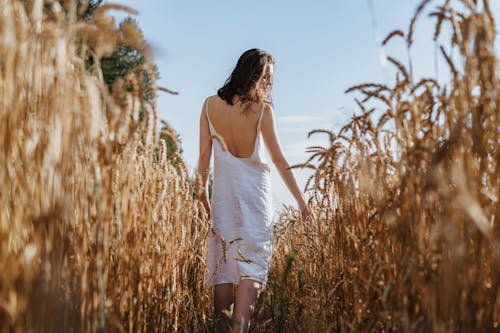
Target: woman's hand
[308, 217]
[206, 204]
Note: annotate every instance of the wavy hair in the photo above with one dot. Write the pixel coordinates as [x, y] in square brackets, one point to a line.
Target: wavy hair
[243, 79]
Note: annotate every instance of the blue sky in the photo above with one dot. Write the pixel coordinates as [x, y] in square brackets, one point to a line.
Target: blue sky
[321, 48]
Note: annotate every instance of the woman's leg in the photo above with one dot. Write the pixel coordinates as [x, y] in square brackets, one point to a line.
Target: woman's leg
[223, 298]
[246, 297]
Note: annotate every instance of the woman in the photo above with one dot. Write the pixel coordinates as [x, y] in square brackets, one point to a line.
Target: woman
[239, 245]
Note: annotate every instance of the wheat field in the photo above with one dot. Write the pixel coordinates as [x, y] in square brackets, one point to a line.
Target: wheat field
[100, 231]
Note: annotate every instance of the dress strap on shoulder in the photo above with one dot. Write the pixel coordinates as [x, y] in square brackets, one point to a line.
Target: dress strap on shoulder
[212, 128]
[261, 114]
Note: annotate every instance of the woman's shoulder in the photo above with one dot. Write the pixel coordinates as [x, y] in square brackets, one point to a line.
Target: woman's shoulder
[268, 107]
[212, 97]
[213, 100]
[256, 107]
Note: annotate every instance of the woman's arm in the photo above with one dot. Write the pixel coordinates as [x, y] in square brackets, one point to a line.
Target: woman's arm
[269, 134]
[204, 159]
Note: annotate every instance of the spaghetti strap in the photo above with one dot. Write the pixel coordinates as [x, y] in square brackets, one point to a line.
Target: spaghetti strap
[212, 128]
[260, 118]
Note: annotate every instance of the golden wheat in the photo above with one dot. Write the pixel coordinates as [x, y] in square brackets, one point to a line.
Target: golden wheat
[95, 219]
[99, 230]
[409, 213]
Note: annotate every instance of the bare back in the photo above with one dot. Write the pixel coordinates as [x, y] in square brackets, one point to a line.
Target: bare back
[236, 128]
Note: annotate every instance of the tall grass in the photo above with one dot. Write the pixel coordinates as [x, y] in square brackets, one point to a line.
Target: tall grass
[409, 234]
[99, 230]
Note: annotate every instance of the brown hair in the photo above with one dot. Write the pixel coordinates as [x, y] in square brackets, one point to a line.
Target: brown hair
[243, 79]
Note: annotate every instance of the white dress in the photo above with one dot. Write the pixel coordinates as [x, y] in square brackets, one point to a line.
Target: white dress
[240, 242]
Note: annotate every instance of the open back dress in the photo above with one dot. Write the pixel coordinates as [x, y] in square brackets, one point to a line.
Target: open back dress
[240, 242]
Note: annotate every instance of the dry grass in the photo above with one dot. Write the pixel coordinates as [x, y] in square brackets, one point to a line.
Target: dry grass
[409, 235]
[100, 233]
[92, 236]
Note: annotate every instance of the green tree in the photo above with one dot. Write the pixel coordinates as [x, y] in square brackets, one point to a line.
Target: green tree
[130, 60]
